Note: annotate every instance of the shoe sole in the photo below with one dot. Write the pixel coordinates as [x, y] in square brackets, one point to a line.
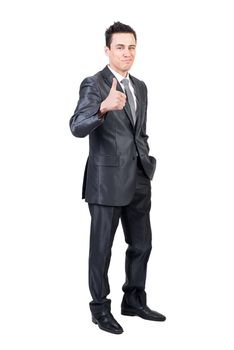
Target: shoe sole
[131, 313]
[128, 313]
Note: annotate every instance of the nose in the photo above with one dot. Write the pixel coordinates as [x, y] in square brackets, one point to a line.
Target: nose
[127, 52]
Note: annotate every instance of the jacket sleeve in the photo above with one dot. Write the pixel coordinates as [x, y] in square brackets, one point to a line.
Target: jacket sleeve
[85, 118]
[143, 128]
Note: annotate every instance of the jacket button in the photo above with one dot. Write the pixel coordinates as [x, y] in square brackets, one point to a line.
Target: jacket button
[133, 158]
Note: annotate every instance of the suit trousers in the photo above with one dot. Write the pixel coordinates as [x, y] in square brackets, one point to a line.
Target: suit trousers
[135, 221]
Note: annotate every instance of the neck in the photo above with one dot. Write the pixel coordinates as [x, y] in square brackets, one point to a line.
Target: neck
[123, 73]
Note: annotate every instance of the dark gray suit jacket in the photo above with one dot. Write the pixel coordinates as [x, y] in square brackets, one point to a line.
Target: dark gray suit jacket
[114, 142]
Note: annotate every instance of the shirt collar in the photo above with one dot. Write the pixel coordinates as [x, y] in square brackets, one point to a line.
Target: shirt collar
[118, 76]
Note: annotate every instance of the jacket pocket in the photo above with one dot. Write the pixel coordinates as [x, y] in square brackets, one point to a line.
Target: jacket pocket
[105, 160]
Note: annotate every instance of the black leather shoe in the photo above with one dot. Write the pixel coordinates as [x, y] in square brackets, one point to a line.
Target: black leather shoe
[106, 322]
[143, 312]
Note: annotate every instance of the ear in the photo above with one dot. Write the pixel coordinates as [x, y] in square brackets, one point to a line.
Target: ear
[107, 50]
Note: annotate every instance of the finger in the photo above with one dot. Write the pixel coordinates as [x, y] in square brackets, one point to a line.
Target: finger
[114, 84]
[122, 97]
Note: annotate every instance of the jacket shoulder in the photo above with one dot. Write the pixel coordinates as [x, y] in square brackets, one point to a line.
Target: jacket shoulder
[139, 82]
[92, 79]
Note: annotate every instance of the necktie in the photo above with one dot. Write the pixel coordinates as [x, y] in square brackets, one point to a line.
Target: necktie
[130, 99]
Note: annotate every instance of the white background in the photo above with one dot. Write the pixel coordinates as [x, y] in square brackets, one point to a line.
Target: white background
[185, 55]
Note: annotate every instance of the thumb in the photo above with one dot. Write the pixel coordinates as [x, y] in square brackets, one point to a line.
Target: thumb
[114, 84]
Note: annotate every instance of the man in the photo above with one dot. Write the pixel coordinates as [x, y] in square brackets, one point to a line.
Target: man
[112, 110]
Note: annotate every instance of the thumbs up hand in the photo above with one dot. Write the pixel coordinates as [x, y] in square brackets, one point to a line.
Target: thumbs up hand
[115, 100]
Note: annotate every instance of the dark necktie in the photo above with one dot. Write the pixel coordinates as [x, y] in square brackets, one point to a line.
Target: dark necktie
[130, 98]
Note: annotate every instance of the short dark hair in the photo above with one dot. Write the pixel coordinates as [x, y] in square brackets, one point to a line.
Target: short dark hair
[118, 27]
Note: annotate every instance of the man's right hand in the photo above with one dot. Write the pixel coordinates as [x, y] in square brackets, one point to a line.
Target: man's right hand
[115, 100]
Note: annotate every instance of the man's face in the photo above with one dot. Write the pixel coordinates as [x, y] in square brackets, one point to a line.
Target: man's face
[122, 52]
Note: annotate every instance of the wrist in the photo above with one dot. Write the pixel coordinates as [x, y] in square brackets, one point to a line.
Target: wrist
[102, 110]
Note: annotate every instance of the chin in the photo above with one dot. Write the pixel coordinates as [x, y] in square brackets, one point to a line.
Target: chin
[126, 68]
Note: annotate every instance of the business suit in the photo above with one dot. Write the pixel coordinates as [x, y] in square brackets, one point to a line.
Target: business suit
[116, 185]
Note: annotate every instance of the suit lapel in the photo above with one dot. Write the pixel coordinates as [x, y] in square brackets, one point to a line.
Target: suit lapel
[138, 100]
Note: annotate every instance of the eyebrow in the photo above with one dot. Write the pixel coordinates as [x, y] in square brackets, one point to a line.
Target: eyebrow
[122, 45]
